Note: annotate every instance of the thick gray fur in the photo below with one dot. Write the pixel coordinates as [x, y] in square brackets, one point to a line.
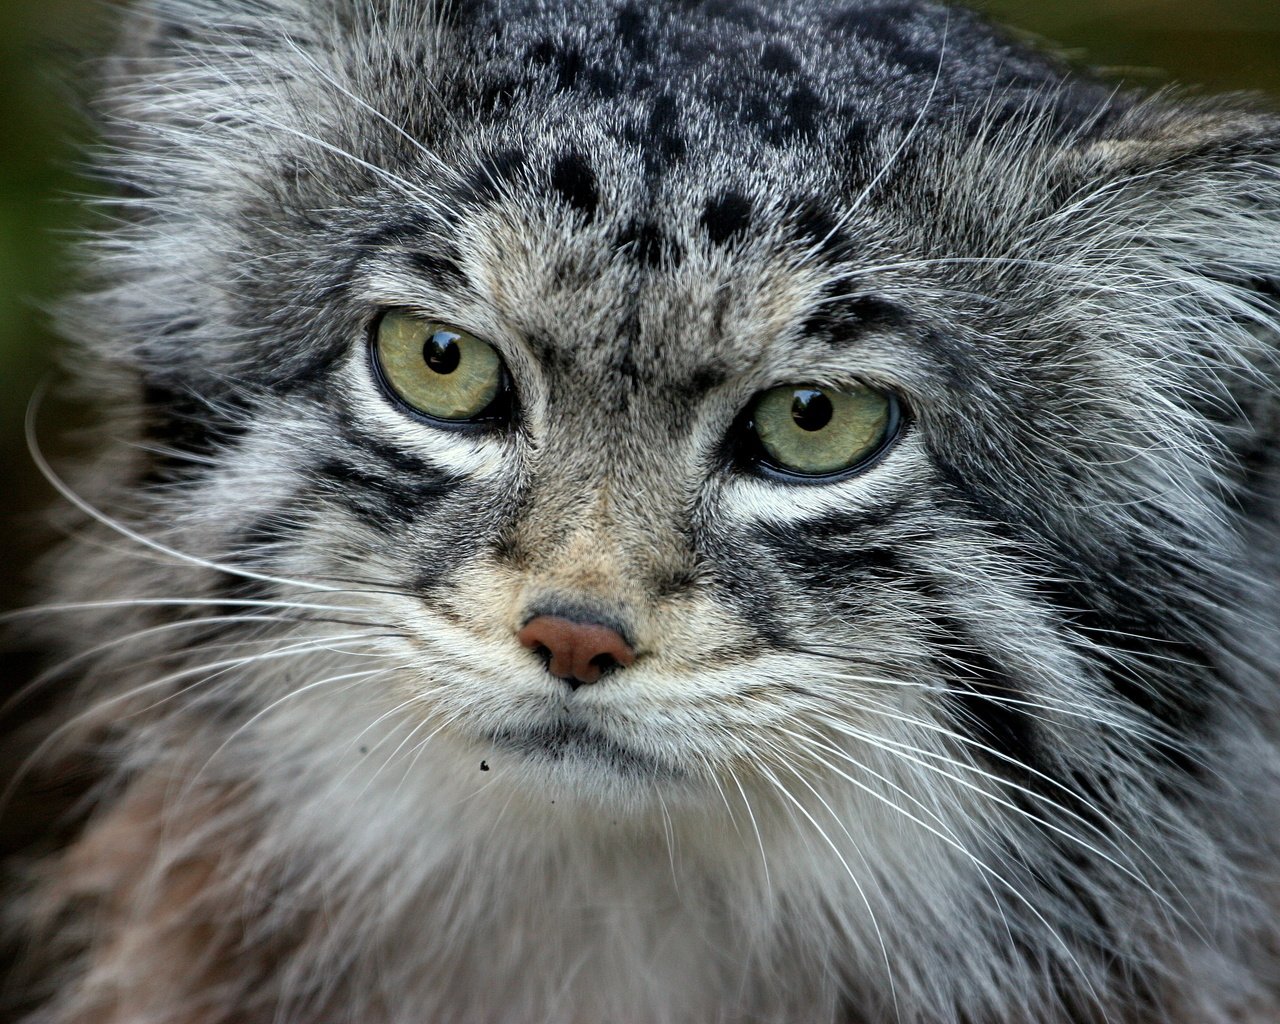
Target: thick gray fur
[983, 734]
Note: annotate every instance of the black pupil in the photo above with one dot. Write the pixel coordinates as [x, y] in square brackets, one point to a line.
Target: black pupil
[812, 410]
[441, 352]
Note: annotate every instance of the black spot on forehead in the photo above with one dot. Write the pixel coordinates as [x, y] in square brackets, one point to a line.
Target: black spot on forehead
[855, 135]
[492, 175]
[632, 31]
[646, 244]
[740, 14]
[565, 60]
[886, 23]
[664, 137]
[799, 114]
[575, 181]
[496, 96]
[816, 225]
[777, 57]
[726, 216]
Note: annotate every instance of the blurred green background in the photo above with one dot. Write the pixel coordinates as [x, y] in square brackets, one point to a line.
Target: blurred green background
[1221, 44]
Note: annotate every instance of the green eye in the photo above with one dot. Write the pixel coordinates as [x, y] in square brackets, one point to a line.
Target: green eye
[816, 431]
[438, 370]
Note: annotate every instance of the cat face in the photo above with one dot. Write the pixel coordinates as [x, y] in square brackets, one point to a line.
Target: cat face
[645, 230]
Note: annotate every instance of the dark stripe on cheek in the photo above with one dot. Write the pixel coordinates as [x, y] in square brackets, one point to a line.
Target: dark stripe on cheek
[847, 560]
[184, 424]
[979, 695]
[1153, 639]
[257, 547]
[376, 498]
[850, 575]
[395, 461]
[380, 483]
[747, 580]
[1173, 681]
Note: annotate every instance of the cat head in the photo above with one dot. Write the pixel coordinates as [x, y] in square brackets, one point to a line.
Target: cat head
[875, 388]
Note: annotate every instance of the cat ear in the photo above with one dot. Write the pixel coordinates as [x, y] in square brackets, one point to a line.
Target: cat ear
[159, 27]
[1194, 187]
[1175, 214]
[171, 28]
[1208, 170]
[160, 34]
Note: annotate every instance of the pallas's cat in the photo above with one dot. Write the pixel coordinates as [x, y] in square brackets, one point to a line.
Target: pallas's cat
[663, 513]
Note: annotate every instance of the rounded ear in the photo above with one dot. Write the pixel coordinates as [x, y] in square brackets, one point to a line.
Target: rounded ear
[1183, 136]
[1195, 183]
[158, 28]
[1189, 195]
[158, 36]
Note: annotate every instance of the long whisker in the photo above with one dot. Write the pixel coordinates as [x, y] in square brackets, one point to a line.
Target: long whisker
[54, 672]
[908, 753]
[814, 743]
[1120, 723]
[913, 754]
[208, 673]
[755, 828]
[418, 747]
[985, 868]
[57, 483]
[279, 701]
[866, 902]
[71, 607]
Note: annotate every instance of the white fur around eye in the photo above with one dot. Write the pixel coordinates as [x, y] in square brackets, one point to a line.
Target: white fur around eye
[471, 454]
[746, 498]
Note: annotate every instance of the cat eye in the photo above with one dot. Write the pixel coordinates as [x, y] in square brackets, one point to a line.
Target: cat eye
[438, 370]
[812, 431]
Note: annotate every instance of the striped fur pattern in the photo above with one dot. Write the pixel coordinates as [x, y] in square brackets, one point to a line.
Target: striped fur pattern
[985, 734]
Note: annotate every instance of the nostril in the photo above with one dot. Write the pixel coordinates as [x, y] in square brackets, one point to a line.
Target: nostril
[577, 652]
[604, 662]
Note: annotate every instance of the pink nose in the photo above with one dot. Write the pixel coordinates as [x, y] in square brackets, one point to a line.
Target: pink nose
[578, 652]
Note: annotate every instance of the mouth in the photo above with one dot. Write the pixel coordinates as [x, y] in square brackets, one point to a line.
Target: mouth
[569, 742]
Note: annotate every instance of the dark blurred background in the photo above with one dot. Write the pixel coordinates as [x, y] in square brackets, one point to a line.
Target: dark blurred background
[1218, 44]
